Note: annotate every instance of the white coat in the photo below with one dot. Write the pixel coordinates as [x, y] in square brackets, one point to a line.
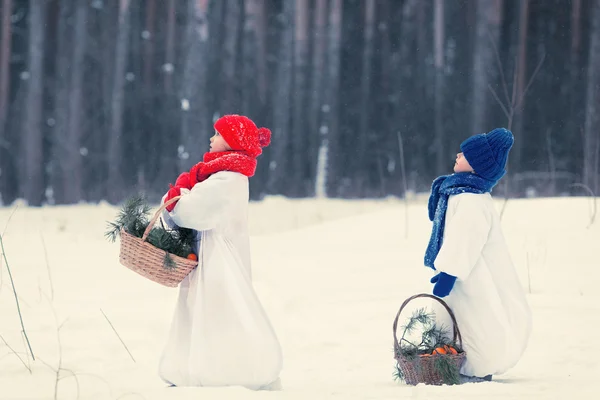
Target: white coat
[488, 299]
[220, 334]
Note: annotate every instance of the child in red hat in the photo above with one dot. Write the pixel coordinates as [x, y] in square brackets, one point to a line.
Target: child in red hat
[220, 334]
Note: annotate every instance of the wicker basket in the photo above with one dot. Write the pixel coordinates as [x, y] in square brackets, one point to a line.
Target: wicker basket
[148, 261]
[422, 369]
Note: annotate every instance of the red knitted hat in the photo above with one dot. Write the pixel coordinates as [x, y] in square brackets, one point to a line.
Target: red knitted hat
[241, 133]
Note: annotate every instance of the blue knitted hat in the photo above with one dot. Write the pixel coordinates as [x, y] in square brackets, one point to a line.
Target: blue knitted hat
[487, 153]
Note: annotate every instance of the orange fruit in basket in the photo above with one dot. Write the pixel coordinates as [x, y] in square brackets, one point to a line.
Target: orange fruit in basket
[424, 355]
[192, 256]
[445, 350]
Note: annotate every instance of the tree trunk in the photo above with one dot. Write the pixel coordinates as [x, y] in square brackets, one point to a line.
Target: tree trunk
[166, 130]
[405, 92]
[170, 47]
[575, 85]
[331, 139]
[386, 15]
[519, 104]
[5, 56]
[487, 34]
[149, 43]
[365, 130]
[195, 124]
[317, 85]
[261, 48]
[282, 108]
[73, 185]
[439, 40]
[299, 135]
[575, 33]
[252, 101]
[591, 139]
[32, 134]
[64, 65]
[109, 38]
[5, 51]
[115, 142]
[230, 102]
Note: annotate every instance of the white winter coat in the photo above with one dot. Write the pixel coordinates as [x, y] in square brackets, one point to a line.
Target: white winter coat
[220, 334]
[488, 300]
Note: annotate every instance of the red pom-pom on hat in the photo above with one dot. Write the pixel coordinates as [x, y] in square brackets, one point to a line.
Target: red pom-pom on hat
[264, 137]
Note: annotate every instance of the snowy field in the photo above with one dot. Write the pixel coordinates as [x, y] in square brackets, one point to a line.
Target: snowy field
[331, 275]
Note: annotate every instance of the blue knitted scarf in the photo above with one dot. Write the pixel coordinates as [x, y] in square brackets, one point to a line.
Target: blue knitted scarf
[441, 189]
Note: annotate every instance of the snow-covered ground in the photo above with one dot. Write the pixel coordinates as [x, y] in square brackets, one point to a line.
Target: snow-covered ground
[331, 275]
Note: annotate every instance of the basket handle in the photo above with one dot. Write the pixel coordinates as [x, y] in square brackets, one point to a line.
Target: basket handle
[156, 215]
[455, 330]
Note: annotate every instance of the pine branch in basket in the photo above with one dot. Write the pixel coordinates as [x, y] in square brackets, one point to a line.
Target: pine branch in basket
[435, 342]
[134, 219]
[447, 369]
[398, 375]
[420, 316]
[168, 263]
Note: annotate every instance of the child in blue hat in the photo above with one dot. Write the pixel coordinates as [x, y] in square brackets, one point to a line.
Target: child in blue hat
[474, 271]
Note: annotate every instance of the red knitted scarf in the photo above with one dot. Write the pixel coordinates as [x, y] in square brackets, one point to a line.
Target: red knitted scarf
[234, 161]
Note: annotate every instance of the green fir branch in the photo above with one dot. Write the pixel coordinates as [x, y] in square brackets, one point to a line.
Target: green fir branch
[419, 316]
[398, 374]
[448, 369]
[133, 217]
[432, 337]
[168, 262]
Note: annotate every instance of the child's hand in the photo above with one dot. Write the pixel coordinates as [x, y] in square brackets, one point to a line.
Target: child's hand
[443, 284]
[183, 181]
[174, 191]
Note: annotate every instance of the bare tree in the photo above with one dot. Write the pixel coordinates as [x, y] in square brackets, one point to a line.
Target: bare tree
[254, 49]
[108, 59]
[67, 166]
[300, 95]
[404, 68]
[575, 34]
[574, 65]
[520, 83]
[170, 47]
[195, 119]
[331, 117]
[591, 153]
[367, 60]
[282, 107]
[73, 185]
[149, 36]
[230, 99]
[409, 11]
[489, 18]
[5, 52]
[317, 82]
[32, 134]
[439, 39]
[115, 186]
[60, 167]
[261, 49]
